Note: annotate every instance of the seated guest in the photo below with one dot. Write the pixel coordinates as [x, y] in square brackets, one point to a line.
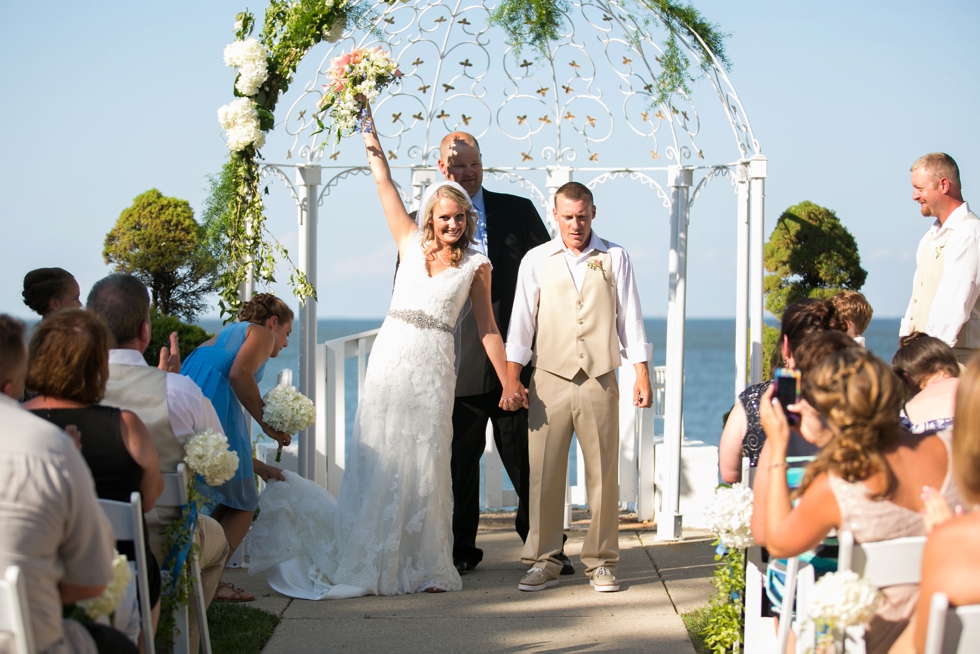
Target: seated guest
[53, 528]
[49, 290]
[868, 478]
[170, 405]
[951, 561]
[743, 435]
[854, 310]
[68, 366]
[929, 368]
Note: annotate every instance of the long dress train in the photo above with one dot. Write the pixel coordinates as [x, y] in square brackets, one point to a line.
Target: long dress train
[390, 531]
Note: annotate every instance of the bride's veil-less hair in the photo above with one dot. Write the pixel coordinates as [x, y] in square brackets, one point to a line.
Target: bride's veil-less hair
[456, 193]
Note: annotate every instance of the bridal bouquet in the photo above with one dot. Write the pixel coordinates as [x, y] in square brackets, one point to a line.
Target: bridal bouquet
[729, 515]
[107, 602]
[207, 454]
[359, 73]
[840, 600]
[287, 410]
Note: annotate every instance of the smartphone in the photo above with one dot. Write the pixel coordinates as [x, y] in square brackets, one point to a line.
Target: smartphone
[787, 383]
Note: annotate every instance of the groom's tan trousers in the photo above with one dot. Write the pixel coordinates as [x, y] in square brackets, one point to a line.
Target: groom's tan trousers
[589, 407]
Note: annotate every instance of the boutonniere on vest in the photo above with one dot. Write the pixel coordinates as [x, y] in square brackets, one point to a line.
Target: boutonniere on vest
[595, 264]
[939, 248]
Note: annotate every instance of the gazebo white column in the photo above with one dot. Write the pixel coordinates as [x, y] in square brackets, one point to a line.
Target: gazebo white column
[307, 187]
[669, 519]
[742, 279]
[757, 239]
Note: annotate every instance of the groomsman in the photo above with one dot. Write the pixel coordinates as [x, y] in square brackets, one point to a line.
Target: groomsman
[577, 295]
[507, 227]
[946, 287]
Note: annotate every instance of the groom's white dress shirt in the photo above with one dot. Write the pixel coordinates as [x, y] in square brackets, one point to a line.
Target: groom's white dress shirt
[190, 411]
[959, 288]
[629, 319]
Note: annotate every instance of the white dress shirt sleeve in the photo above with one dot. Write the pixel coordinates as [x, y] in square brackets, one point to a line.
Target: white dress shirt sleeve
[629, 316]
[523, 317]
[959, 287]
[190, 411]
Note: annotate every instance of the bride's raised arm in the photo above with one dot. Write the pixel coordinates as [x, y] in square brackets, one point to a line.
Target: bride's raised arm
[399, 223]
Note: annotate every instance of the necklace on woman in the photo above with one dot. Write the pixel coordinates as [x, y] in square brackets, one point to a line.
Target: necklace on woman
[438, 253]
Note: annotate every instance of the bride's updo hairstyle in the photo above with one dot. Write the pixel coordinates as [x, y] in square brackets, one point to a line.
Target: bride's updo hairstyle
[429, 233]
[263, 306]
[856, 392]
[966, 434]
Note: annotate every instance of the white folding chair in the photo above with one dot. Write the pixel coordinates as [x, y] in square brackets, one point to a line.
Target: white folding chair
[126, 519]
[885, 563]
[175, 495]
[14, 610]
[952, 632]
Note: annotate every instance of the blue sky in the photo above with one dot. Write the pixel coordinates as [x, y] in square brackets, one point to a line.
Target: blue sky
[104, 100]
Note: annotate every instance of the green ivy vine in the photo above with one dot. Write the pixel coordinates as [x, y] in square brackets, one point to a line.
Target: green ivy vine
[726, 609]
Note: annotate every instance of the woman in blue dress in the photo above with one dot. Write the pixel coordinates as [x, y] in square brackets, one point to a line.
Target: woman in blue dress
[228, 369]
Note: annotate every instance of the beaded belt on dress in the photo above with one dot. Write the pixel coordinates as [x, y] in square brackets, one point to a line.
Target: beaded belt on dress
[420, 319]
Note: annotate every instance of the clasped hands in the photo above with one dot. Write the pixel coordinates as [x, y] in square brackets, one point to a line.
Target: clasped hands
[514, 396]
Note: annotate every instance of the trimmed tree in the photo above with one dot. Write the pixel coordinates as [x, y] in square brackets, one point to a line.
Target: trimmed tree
[810, 254]
[158, 241]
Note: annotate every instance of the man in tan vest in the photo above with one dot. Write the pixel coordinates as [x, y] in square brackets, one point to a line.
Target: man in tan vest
[946, 289]
[171, 406]
[577, 304]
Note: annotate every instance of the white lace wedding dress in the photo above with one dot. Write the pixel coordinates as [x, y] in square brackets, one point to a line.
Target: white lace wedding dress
[390, 530]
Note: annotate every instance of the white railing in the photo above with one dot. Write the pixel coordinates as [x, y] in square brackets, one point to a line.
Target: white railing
[636, 464]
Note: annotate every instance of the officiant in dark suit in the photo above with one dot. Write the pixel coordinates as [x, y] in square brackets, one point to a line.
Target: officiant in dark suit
[508, 226]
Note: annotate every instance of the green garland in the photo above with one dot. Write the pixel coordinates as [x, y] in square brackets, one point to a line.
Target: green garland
[726, 615]
[176, 534]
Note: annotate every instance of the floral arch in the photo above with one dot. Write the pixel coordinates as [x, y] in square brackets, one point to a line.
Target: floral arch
[551, 109]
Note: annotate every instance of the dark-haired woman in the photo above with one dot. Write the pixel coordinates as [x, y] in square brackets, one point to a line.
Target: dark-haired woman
[868, 479]
[68, 365]
[228, 368]
[743, 435]
[929, 369]
[48, 290]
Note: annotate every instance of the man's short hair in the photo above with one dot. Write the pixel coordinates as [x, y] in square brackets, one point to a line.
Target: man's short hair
[12, 350]
[122, 302]
[574, 191]
[68, 357]
[853, 306]
[939, 165]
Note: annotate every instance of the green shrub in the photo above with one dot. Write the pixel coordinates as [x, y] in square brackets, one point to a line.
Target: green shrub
[188, 336]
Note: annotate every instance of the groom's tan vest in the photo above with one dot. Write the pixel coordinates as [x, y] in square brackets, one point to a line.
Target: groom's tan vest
[931, 257]
[143, 390]
[577, 330]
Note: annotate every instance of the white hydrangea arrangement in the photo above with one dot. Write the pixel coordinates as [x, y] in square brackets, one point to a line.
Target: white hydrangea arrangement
[251, 59]
[842, 599]
[287, 410]
[240, 120]
[729, 516]
[361, 72]
[207, 454]
[107, 602]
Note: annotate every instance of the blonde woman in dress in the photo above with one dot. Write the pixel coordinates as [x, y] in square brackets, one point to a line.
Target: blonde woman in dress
[390, 531]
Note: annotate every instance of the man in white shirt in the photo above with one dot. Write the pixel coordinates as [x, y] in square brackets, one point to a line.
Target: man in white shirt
[946, 287]
[577, 304]
[172, 407]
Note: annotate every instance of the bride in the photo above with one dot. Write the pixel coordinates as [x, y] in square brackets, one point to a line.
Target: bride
[390, 530]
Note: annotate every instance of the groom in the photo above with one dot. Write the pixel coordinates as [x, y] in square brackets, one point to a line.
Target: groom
[577, 296]
[507, 227]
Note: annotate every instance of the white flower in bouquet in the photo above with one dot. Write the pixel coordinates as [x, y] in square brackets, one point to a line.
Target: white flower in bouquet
[251, 59]
[843, 599]
[288, 410]
[107, 602]
[240, 120]
[729, 516]
[207, 454]
[358, 73]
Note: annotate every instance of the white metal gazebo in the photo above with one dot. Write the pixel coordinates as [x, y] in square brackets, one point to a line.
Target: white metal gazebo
[555, 119]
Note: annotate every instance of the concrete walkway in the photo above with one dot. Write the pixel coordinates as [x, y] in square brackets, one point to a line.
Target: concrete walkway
[659, 582]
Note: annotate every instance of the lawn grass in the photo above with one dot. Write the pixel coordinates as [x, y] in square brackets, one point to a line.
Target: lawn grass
[696, 622]
[239, 629]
